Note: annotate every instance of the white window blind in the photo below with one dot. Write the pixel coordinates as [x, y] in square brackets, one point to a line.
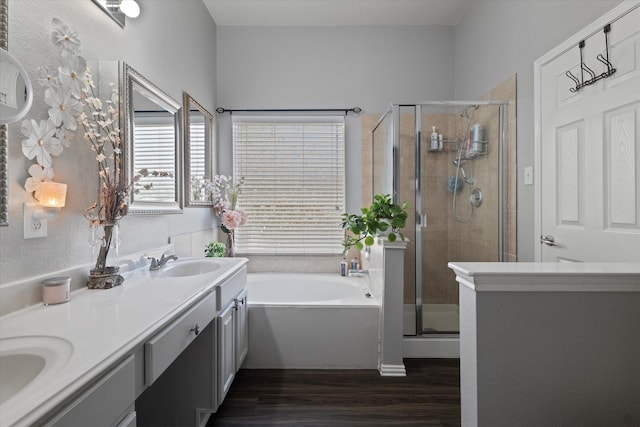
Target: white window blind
[197, 146]
[155, 150]
[294, 184]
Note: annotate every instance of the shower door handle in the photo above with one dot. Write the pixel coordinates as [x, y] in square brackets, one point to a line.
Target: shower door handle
[548, 240]
[422, 220]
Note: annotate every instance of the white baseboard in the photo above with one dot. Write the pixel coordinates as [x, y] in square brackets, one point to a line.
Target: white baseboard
[439, 347]
[392, 370]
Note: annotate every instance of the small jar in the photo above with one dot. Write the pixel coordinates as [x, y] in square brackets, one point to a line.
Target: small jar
[56, 290]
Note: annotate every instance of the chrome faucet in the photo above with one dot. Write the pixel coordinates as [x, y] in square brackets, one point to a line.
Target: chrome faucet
[157, 263]
[357, 273]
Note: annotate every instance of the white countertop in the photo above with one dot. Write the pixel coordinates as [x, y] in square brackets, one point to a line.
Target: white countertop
[548, 276]
[102, 326]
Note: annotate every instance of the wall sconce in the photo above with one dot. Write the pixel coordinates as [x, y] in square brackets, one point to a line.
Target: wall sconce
[119, 10]
[51, 197]
[130, 8]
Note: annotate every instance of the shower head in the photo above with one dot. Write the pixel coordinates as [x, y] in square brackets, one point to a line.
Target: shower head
[465, 113]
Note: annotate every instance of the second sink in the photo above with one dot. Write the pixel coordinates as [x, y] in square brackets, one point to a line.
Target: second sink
[189, 267]
[25, 359]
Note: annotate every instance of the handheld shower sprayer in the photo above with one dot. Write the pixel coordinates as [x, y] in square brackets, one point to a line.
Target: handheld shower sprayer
[458, 162]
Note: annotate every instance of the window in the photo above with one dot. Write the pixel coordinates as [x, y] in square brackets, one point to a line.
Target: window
[154, 147]
[294, 184]
[197, 146]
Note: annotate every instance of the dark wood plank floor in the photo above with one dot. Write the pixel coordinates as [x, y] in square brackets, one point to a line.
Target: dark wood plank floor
[428, 396]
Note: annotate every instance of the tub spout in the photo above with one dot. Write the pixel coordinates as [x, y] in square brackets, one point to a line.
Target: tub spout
[357, 273]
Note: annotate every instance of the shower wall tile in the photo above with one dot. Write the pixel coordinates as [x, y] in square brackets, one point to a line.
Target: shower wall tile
[511, 241]
[511, 135]
[437, 291]
[511, 187]
[435, 255]
[294, 263]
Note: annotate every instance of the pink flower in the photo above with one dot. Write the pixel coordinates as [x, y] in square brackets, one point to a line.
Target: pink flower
[243, 217]
[232, 219]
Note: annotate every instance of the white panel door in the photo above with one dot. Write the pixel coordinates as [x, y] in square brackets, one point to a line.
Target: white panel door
[589, 151]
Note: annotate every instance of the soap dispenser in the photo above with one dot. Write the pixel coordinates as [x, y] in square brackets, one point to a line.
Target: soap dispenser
[434, 138]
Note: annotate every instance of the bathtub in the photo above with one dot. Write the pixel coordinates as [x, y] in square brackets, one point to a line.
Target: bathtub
[311, 321]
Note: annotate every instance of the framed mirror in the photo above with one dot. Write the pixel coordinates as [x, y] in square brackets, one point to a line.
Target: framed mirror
[199, 149]
[16, 92]
[16, 96]
[153, 141]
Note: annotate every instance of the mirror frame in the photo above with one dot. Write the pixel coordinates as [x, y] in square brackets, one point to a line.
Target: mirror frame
[130, 78]
[4, 153]
[190, 104]
[24, 83]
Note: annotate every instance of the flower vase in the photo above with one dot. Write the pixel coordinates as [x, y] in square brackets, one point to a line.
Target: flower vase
[104, 241]
[231, 250]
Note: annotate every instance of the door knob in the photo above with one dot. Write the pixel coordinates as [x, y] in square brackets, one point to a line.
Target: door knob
[548, 240]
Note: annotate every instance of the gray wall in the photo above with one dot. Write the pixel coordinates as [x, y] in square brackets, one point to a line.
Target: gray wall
[327, 67]
[499, 38]
[173, 44]
[533, 359]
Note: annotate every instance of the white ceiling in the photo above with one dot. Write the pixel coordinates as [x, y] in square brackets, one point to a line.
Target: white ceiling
[336, 12]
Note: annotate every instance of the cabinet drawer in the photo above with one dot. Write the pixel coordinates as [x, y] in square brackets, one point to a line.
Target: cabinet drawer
[231, 287]
[104, 403]
[166, 346]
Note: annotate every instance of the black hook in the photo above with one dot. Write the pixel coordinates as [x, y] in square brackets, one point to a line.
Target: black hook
[583, 67]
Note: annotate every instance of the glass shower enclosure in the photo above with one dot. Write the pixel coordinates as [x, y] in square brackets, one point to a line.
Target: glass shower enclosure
[445, 159]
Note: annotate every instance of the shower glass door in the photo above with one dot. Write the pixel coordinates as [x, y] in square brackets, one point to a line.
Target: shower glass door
[459, 203]
[453, 186]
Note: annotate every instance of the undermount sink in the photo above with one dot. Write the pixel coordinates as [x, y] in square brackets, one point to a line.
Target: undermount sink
[189, 267]
[26, 359]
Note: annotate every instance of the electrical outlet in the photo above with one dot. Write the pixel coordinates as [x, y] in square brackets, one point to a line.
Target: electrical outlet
[34, 228]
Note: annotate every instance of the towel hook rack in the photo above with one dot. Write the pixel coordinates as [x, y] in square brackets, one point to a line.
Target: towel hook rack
[593, 77]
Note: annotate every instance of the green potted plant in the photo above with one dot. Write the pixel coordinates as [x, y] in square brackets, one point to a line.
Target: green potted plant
[215, 249]
[383, 217]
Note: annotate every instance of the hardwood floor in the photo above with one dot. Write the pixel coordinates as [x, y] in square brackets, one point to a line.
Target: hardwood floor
[428, 396]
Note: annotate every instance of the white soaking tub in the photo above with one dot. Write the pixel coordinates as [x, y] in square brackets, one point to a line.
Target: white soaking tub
[311, 320]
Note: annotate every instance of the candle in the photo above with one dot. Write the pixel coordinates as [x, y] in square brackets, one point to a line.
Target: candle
[56, 290]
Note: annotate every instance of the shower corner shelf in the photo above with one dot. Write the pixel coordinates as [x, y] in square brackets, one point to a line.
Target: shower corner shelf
[449, 146]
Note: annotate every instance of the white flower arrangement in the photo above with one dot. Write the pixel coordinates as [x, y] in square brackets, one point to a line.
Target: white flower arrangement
[49, 137]
[224, 192]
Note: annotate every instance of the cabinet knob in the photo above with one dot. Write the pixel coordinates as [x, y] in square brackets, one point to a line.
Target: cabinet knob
[195, 330]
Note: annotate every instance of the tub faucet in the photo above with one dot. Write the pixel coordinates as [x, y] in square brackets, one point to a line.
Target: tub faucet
[156, 264]
[357, 273]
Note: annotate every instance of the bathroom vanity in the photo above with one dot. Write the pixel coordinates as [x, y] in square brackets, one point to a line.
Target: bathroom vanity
[549, 343]
[164, 344]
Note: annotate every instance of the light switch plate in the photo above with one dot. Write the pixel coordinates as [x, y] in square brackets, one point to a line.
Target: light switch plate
[528, 175]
